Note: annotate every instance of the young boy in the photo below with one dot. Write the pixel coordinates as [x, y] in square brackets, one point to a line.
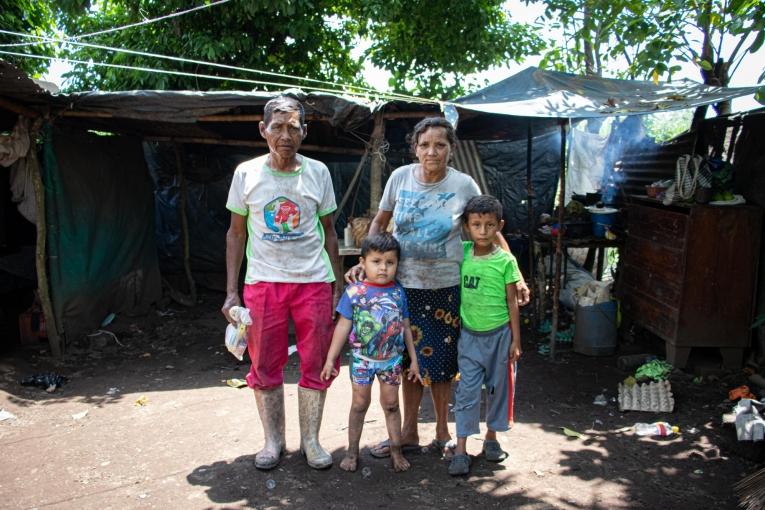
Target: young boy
[491, 333]
[375, 313]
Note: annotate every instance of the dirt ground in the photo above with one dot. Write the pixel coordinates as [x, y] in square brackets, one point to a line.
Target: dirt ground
[192, 442]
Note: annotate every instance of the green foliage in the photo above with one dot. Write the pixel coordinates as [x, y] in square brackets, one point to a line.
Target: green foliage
[27, 16]
[653, 36]
[426, 45]
[664, 126]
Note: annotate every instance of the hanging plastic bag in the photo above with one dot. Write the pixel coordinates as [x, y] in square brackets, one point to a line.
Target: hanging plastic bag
[236, 334]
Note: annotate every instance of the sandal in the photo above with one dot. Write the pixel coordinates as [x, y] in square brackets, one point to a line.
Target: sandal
[460, 465]
[382, 449]
[440, 445]
[493, 452]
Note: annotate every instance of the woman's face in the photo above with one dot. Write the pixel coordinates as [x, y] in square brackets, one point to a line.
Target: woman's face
[433, 149]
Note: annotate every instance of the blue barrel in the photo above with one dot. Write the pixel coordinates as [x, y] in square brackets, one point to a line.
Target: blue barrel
[602, 217]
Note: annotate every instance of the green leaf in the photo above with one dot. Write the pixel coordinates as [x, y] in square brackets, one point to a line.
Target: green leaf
[705, 65]
[573, 433]
[759, 96]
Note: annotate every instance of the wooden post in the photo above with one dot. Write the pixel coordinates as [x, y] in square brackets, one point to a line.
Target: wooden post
[41, 253]
[377, 164]
[185, 224]
[558, 253]
[531, 222]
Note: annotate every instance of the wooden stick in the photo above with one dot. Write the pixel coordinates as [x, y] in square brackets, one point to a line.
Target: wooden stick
[378, 161]
[185, 224]
[17, 108]
[558, 254]
[54, 339]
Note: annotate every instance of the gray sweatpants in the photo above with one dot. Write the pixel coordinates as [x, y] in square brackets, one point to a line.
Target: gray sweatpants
[482, 359]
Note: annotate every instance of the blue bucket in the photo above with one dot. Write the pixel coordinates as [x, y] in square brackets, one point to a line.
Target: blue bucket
[602, 217]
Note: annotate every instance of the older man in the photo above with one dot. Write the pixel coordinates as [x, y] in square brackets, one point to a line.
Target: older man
[281, 207]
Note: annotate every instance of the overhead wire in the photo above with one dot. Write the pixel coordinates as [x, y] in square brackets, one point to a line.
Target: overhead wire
[178, 73]
[365, 90]
[154, 20]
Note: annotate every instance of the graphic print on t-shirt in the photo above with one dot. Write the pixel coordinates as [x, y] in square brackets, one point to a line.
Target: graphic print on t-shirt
[282, 215]
[423, 222]
[377, 315]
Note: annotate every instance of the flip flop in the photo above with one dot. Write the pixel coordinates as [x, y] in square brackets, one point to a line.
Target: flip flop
[382, 449]
[460, 465]
[493, 452]
[440, 445]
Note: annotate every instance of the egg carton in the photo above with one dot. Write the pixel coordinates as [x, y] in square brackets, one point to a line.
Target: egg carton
[655, 397]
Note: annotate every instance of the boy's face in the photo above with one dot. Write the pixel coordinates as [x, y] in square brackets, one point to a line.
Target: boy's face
[483, 228]
[380, 267]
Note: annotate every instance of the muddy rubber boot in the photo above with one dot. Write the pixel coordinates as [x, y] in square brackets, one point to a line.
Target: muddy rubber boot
[311, 405]
[271, 411]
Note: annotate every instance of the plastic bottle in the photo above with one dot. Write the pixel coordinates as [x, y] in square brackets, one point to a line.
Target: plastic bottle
[348, 237]
[660, 428]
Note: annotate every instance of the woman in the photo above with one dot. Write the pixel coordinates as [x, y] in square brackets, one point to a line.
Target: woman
[426, 200]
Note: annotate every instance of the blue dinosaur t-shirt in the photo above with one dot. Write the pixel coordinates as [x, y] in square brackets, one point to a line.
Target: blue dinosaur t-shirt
[377, 313]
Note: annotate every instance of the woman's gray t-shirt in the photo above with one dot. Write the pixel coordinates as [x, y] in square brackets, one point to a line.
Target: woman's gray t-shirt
[427, 224]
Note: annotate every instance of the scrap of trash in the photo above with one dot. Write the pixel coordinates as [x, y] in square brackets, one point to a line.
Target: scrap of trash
[48, 381]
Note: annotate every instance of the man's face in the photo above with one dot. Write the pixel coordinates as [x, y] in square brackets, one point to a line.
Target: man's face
[283, 133]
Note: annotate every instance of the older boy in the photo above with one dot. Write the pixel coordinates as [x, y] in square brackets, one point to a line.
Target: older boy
[491, 333]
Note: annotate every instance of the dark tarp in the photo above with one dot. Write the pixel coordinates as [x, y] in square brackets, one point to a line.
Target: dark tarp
[208, 170]
[100, 218]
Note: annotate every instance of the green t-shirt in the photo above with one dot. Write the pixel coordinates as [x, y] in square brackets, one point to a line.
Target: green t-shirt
[483, 297]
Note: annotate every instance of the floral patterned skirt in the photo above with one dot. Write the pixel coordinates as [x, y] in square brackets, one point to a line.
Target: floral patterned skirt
[435, 318]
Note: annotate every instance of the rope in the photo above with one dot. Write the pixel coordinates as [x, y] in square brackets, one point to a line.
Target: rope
[687, 175]
[154, 20]
[386, 95]
[177, 73]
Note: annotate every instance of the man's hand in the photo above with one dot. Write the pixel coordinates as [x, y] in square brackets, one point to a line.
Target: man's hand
[524, 294]
[232, 299]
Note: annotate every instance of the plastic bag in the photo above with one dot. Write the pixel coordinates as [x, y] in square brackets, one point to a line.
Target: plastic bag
[236, 334]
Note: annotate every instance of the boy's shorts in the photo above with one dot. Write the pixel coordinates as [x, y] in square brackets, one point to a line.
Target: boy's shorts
[364, 370]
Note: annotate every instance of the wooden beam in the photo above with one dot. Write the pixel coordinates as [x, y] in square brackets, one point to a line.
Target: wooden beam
[86, 115]
[410, 115]
[41, 250]
[378, 161]
[17, 108]
[252, 143]
[232, 117]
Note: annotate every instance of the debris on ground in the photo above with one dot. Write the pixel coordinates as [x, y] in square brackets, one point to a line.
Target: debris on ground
[48, 381]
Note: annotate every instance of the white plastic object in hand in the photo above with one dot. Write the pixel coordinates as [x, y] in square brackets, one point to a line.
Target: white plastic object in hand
[236, 334]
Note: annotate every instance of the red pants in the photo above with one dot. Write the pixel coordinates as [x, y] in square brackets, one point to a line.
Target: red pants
[271, 305]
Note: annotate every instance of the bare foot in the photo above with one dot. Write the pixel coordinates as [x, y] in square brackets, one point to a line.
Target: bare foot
[349, 463]
[399, 462]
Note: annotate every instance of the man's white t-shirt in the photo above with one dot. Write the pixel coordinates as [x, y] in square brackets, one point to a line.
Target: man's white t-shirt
[427, 224]
[285, 239]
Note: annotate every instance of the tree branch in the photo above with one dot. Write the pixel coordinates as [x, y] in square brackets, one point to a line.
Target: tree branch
[738, 47]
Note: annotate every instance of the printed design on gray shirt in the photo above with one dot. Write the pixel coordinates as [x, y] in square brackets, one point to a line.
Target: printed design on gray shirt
[423, 223]
[282, 215]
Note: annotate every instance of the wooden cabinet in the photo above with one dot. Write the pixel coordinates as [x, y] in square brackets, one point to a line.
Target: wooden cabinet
[689, 275]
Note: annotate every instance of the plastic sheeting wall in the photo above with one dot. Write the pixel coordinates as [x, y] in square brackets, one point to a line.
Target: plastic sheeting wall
[100, 218]
[208, 170]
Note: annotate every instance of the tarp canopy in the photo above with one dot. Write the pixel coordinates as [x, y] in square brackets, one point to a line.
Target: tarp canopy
[550, 94]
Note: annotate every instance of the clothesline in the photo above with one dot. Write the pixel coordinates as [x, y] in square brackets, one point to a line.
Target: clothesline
[364, 90]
